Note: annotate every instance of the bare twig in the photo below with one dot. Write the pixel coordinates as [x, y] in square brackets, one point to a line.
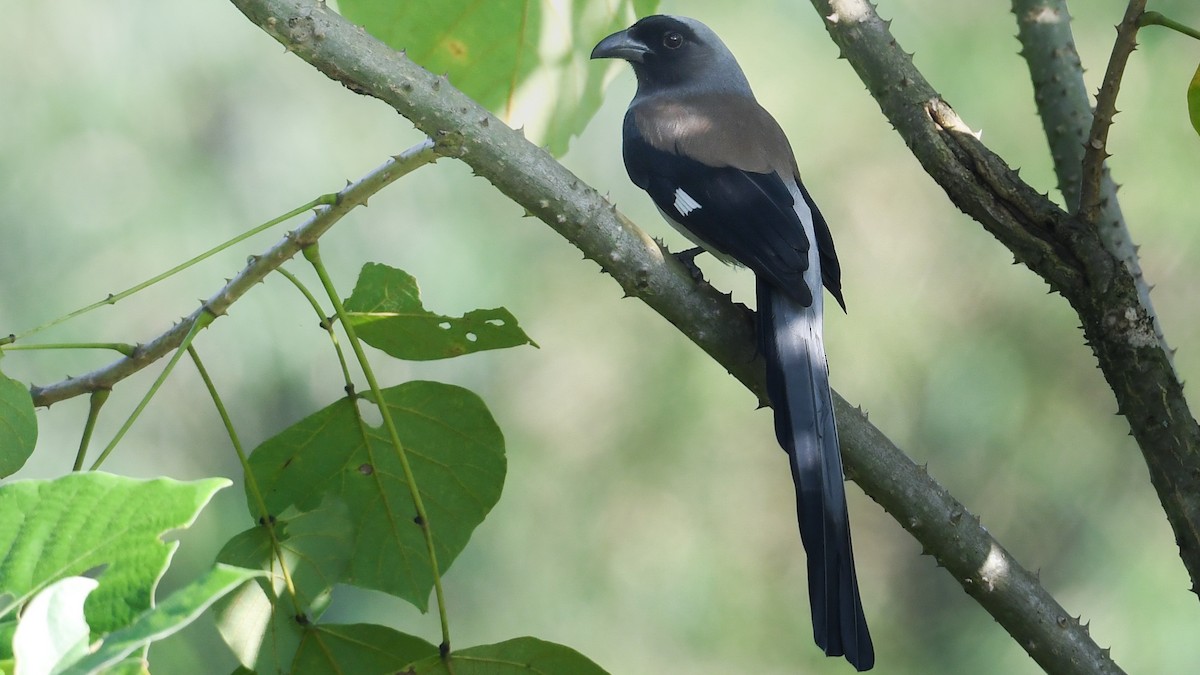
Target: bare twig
[1096, 147]
[258, 268]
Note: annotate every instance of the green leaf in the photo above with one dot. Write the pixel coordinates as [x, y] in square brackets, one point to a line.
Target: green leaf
[357, 648]
[519, 656]
[528, 65]
[179, 609]
[52, 529]
[387, 314]
[1193, 99]
[259, 621]
[259, 629]
[52, 631]
[18, 425]
[456, 452]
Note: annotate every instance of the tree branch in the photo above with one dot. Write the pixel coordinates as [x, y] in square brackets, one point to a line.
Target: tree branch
[1096, 148]
[1064, 249]
[1044, 29]
[1048, 47]
[258, 268]
[549, 191]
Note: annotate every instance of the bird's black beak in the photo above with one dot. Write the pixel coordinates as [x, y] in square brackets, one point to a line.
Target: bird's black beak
[620, 45]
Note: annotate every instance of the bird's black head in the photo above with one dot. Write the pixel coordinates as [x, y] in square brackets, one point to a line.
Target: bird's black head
[676, 53]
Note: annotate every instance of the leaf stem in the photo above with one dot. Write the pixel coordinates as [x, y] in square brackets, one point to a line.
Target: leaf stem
[1159, 19]
[258, 267]
[326, 324]
[313, 255]
[95, 402]
[202, 321]
[122, 347]
[112, 299]
[265, 519]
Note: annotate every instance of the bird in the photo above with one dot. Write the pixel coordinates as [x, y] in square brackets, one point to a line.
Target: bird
[721, 171]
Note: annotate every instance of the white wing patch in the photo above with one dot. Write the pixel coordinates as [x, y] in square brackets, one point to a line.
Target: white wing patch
[684, 203]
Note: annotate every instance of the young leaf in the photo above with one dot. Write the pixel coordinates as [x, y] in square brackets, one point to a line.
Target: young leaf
[386, 310]
[456, 452]
[316, 549]
[52, 529]
[1193, 99]
[18, 425]
[178, 610]
[270, 632]
[52, 630]
[259, 622]
[528, 65]
[520, 656]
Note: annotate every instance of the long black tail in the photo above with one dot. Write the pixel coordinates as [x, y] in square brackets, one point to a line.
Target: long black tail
[798, 386]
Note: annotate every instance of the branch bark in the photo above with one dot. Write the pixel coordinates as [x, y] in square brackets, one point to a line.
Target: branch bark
[1064, 249]
[549, 191]
[1048, 47]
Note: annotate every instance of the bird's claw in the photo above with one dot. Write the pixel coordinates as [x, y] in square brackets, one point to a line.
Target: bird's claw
[688, 260]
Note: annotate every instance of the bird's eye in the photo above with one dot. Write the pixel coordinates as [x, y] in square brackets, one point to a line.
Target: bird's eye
[672, 40]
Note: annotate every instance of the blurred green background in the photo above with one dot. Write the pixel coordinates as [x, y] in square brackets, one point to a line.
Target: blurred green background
[648, 517]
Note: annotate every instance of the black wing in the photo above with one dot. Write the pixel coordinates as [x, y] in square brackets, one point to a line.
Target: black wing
[831, 269]
[746, 215]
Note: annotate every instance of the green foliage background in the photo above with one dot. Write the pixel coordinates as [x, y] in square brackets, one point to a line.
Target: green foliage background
[647, 520]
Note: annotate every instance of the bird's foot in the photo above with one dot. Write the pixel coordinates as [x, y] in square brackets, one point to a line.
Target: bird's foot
[688, 260]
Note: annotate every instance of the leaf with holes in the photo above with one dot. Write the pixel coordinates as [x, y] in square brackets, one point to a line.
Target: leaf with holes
[520, 656]
[526, 61]
[387, 314]
[456, 453]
